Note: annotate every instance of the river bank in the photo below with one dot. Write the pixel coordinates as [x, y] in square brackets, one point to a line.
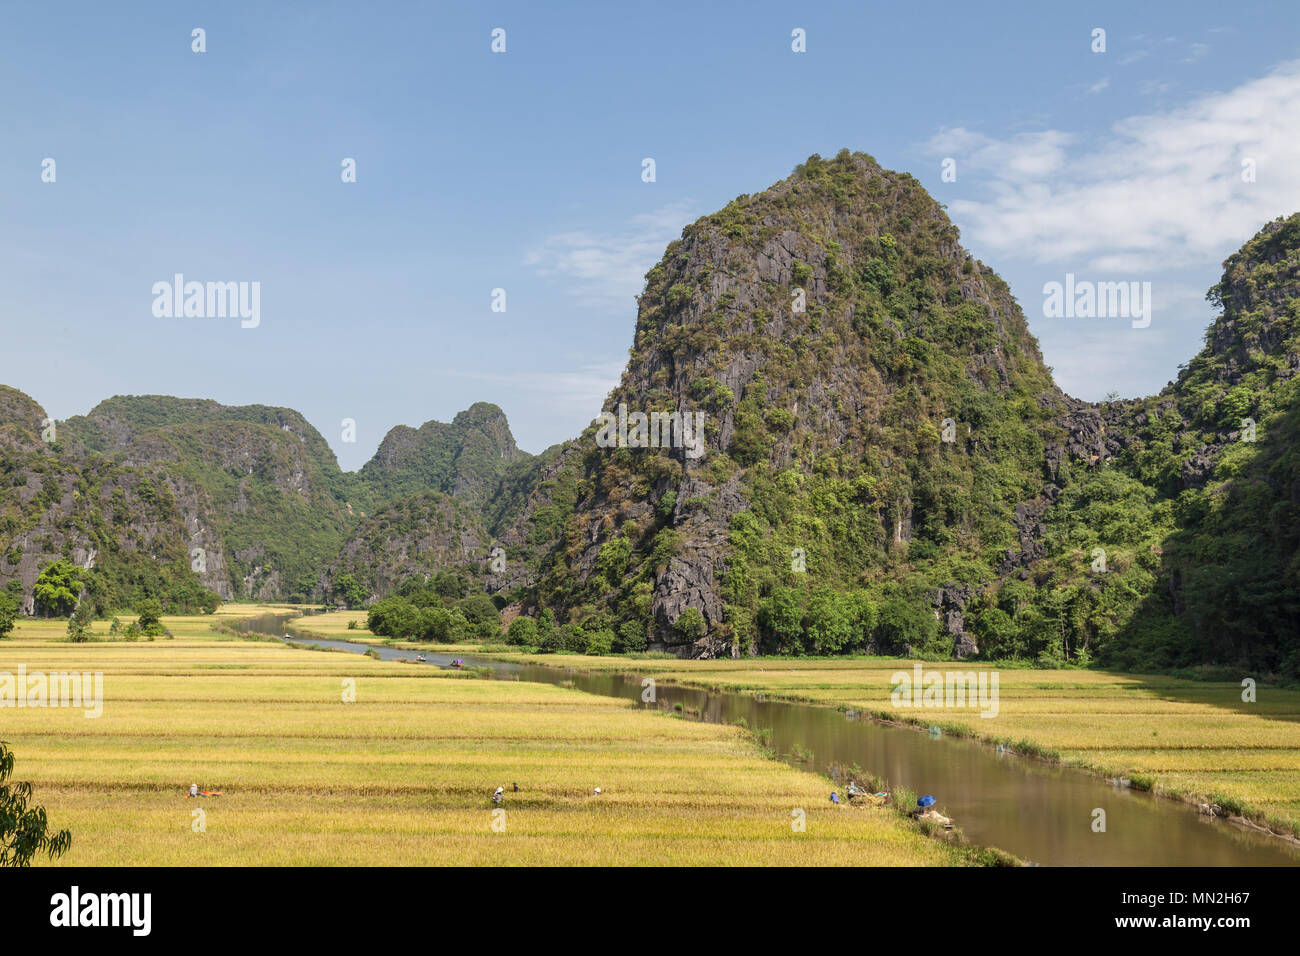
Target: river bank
[973, 792]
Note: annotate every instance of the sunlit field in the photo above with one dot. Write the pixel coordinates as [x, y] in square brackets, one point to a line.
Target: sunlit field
[1190, 739]
[334, 625]
[404, 774]
[1183, 738]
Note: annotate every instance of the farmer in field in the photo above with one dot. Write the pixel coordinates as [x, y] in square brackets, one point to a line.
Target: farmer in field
[498, 795]
[194, 790]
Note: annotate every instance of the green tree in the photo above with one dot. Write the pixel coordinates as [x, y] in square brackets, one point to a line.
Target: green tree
[449, 584]
[522, 632]
[482, 615]
[79, 623]
[780, 618]
[631, 637]
[575, 638]
[24, 829]
[393, 617]
[436, 624]
[551, 637]
[749, 441]
[905, 624]
[612, 561]
[304, 589]
[149, 618]
[349, 591]
[545, 627]
[460, 629]
[995, 633]
[863, 615]
[828, 625]
[58, 588]
[8, 615]
[411, 586]
[600, 642]
[690, 624]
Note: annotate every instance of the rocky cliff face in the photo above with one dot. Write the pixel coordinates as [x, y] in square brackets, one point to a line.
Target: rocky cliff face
[253, 491]
[415, 536]
[878, 416]
[21, 421]
[91, 512]
[115, 423]
[840, 343]
[1189, 500]
[1219, 445]
[256, 505]
[440, 492]
[256, 487]
[833, 419]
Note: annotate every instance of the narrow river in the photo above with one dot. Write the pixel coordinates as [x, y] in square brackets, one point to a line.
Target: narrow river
[1039, 812]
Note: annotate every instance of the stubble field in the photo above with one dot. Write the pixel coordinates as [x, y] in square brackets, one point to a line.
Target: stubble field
[403, 774]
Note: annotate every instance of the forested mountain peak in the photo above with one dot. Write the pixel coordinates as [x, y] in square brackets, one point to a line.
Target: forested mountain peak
[467, 457]
[874, 409]
[21, 420]
[835, 433]
[889, 466]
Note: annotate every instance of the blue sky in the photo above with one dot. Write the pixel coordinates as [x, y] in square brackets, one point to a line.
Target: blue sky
[522, 171]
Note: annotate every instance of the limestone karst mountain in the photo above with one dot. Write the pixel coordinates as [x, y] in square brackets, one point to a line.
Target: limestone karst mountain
[890, 467]
[884, 464]
[250, 499]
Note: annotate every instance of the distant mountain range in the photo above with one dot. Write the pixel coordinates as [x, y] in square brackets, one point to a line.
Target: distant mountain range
[255, 489]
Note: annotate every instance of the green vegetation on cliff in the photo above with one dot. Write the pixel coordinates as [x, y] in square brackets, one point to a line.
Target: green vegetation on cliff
[892, 469]
[887, 467]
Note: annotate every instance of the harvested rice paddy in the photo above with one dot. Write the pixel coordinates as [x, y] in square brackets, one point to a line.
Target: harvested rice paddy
[402, 773]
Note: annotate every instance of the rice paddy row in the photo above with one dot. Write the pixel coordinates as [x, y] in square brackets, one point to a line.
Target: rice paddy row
[1193, 740]
[402, 773]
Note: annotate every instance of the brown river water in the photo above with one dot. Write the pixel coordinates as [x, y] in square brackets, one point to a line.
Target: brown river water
[1040, 812]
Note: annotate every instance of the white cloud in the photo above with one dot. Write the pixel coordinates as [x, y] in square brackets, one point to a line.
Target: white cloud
[1158, 190]
[609, 269]
[1099, 85]
[1031, 156]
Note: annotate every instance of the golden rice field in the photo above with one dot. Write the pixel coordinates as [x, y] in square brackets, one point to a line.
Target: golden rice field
[1187, 738]
[334, 625]
[403, 774]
